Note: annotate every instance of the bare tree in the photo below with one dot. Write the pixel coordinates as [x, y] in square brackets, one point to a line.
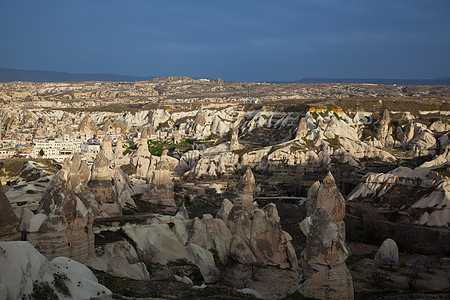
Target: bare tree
[414, 268]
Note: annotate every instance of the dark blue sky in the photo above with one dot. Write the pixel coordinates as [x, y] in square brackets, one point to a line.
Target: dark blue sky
[246, 40]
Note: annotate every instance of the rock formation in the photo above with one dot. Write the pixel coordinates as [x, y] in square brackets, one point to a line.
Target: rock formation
[387, 254]
[302, 129]
[325, 273]
[9, 224]
[246, 188]
[384, 130]
[87, 125]
[63, 223]
[108, 190]
[234, 143]
[434, 189]
[160, 189]
[107, 147]
[27, 274]
[257, 236]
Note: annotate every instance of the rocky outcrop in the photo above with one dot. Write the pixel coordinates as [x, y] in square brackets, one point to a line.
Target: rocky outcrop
[160, 188]
[198, 129]
[435, 189]
[107, 147]
[216, 164]
[234, 143]
[417, 139]
[9, 224]
[87, 125]
[384, 133]
[325, 273]
[63, 223]
[257, 236]
[25, 273]
[302, 129]
[165, 239]
[387, 254]
[117, 259]
[246, 188]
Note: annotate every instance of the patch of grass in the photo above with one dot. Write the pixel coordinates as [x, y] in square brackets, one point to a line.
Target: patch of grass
[128, 169]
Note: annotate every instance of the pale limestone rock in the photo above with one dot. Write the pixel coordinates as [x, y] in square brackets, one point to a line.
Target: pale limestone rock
[302, 129]
[247, 182]
[107, 147]
[388, 250]
[241, 251]
[122, 189]
[65, 226]
[100, 168]
[108, 127]
[219, 126]
[115, 259]
[118, 151]
[323, 259]
[252, 292]
[205, 262]
[268, 241]
[257, 234]
[184, 279]
[190, 240]
[440, 126]
[224, 163]
[423, 143]
[87, 125]
[182, 212]
[225, 210]
[22, 267]
[234, 143]
[437, 200]
[384, 130]
[407, 135]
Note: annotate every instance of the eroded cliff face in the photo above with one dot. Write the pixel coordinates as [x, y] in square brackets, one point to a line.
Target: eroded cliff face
[62, 224]
[428, 178]
[248, 235]
[257, 236]
[9, 223]
[325, 274]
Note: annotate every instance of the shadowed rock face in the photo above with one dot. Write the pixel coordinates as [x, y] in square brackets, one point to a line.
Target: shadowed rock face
[9, 224]
[302, 130]
[246, 186]
[63, 223]
[323, 259]
[257, 236]
[234, 143]
[160, 189]
[384, 131]
[87, 125]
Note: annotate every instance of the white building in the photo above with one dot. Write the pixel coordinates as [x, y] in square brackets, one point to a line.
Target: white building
[7, 153]
[57, 149]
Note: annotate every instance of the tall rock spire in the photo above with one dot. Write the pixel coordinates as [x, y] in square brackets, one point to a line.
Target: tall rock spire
[323, 259]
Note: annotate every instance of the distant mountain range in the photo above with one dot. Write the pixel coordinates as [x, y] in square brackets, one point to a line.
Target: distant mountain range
[9, 75]
[438, 81]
